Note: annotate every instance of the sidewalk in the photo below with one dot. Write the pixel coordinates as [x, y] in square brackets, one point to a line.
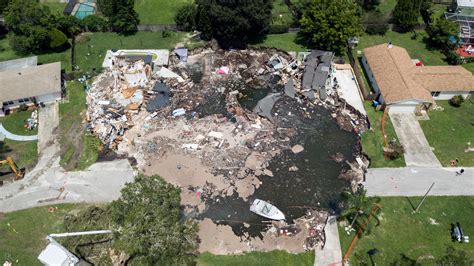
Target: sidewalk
[415, 181]
[331, 254]
[14, 137]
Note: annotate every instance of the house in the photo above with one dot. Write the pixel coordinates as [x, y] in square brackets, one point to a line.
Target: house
[26, 84]
[80, 8]
[317, 76]
[402, 85]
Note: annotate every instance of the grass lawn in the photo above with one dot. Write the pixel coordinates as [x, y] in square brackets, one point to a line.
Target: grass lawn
[98, 44]
[281, 15]
[373, 142]
[449, 131]
[158, 11]
[23, 232]
[79, 149]
[56, 7]
[422, 237]
[16, 121]
[286, 42]
[258, 258]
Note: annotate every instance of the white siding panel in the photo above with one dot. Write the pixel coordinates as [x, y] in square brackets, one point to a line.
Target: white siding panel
[450, 94]
[402, 108]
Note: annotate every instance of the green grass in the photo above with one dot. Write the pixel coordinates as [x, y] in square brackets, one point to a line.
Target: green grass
[413, 235]
[23, 232]
[286, 42]
[16, 121]
[158, 11]
[258, 258]
[417, 48]
[79, 149]
[387, 6]
[25, 153]
[98, 44]
[373, 142]
[449, 131]
[55, 7]
[281, 15]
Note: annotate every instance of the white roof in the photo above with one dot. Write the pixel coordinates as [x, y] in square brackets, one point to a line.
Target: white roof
[465, 3]
[30, 82]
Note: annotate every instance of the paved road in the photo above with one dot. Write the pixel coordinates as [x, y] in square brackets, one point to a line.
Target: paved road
[417, 150]
[15, 137]
[49, 184]
[415, 181]
[331, 253]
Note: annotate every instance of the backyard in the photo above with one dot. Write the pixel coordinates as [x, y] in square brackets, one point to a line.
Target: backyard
[423, 237]
[449, 132]
[158, 11]
[286, 42]
[373, 142]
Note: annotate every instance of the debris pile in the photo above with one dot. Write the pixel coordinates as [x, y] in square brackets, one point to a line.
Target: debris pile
[194, 108]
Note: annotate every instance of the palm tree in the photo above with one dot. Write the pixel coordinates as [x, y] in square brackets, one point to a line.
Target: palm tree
[358, 208]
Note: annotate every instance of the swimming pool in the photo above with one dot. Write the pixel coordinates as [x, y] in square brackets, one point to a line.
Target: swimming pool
[84, 10]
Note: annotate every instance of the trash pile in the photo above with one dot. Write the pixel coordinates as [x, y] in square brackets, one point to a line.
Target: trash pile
[32, 122]
[193, 107]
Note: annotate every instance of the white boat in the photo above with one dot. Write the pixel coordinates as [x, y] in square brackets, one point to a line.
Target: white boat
[267, 210]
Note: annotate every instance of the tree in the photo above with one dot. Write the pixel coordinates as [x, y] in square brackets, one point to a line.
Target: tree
[328, 24]
[376, 24]
[3, 5]
[69, 25]
[57, 39]
[30, 23]
[121, 14]
[441, 33]
[406, 14]
[358, 207]
[94, 23]
[233, 23]
[147, 220]
[186, 17]
[368, 4]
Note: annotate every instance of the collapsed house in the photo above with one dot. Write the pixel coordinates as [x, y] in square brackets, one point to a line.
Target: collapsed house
[175, 115]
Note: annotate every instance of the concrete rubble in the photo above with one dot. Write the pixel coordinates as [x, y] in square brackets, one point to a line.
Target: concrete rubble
[153, 115]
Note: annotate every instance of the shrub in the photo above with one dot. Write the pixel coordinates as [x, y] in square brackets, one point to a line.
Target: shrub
[377, 29]
[57, 39]
[186, 18]
[23, 108]
[395, 150]
[94, 23]
[456, 101]
[453, 58]
[278, 29]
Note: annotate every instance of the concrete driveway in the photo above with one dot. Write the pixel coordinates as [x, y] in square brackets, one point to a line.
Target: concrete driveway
[415, 181]
[417, 150]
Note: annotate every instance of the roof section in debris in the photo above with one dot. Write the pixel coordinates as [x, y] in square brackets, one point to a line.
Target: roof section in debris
[30, 82]
[317, 70]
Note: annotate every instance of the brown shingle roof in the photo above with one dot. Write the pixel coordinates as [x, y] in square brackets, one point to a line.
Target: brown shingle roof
[30, 82]
[400, 80]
